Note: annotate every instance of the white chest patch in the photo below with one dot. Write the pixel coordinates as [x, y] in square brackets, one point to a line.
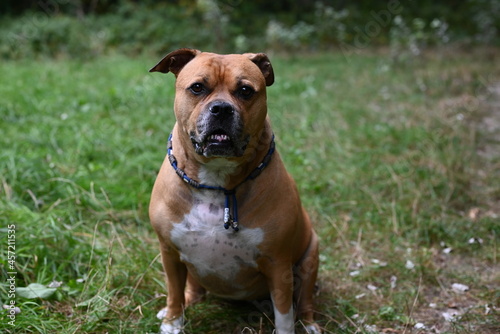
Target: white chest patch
[204, 243]
[216, 171]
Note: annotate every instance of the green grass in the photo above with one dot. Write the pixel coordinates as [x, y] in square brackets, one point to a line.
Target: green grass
[388, 159]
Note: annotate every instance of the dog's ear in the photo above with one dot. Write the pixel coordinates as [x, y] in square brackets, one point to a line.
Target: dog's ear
[262, 61]
[175, 61]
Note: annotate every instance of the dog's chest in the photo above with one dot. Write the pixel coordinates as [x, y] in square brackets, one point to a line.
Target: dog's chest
[206, 245]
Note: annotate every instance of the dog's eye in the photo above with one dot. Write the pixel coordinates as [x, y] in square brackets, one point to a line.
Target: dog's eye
[197, 88]
[246, 91]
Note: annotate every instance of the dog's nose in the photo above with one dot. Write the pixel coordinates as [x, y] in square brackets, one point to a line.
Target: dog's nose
[221, 108]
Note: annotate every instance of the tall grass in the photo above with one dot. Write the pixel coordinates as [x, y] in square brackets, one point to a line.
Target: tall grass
[385, 156]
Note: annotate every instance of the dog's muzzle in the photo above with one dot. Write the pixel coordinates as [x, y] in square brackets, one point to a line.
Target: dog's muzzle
[219, 131]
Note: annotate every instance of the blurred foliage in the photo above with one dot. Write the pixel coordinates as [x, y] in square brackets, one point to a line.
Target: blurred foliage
[92, 27]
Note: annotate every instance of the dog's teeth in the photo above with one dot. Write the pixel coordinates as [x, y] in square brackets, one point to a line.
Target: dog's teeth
[219, 138]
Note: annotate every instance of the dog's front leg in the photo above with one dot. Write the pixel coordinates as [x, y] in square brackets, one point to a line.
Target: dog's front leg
[176, 275]
[280, 284]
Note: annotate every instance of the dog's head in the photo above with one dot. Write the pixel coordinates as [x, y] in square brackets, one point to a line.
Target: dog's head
[220, 101]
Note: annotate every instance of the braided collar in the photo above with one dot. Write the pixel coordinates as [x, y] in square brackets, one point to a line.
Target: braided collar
[229, 219]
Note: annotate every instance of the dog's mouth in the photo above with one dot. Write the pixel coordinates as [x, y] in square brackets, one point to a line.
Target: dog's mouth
[218, 139]
[217, 143]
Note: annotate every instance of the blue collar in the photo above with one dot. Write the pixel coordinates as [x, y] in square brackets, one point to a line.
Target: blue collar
[229, 219]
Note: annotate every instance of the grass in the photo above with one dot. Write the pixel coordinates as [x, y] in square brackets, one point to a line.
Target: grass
[392, 160]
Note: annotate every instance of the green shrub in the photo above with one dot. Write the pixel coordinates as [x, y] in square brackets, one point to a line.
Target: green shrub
[131, 30]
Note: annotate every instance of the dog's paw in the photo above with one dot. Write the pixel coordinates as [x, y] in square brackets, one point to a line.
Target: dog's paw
[313, 329]
[174, 326]
[161, 315]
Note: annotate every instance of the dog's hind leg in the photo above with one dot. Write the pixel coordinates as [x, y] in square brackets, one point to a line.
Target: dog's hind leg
[306, 272]
[194, 291]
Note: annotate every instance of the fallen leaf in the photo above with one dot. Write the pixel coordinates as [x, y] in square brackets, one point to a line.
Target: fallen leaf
[54, 284]
[378, 262]
[15, 309]
[371, 328]
[473, 213]
[394, 280]
[354, 273]
[475, 241]
[419, 325]
[409, 265]
[451, 315]
[459, 288]
[35, 290]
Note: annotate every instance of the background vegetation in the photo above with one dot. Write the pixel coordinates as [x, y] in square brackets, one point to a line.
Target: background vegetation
[90, 28]
[392, 134]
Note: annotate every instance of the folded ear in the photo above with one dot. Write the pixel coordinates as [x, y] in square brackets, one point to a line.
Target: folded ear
[175, 61]
[262, 61]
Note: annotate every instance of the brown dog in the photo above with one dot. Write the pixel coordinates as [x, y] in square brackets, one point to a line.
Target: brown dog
[227, 213]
